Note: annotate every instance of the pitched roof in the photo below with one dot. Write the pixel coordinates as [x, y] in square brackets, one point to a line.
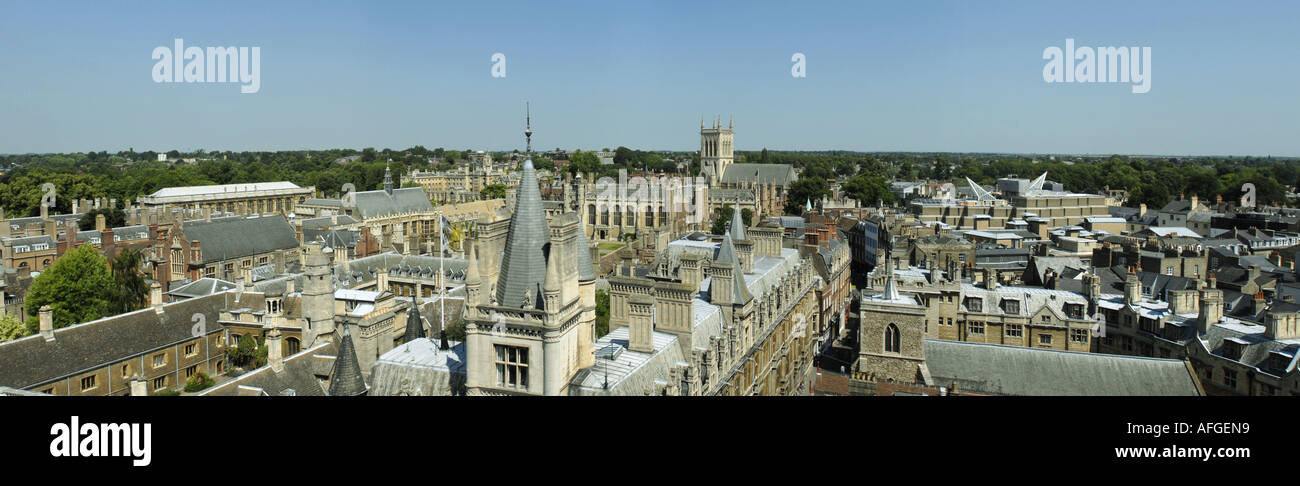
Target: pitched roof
[737, 229]
[779, 174]
[727, 254]
[1017, 370]
[586, 270]
[523, 268]
[230, 238]
[376, 204]
[90, 345]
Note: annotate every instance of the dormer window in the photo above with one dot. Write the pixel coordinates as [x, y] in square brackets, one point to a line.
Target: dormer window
[1010, 306]
[975, 304]
[1232, 348]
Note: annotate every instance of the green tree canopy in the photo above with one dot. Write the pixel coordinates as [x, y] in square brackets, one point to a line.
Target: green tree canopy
[76, 288]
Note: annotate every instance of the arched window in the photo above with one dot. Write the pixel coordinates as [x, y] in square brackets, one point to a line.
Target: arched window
[293, 346]
[891, 339]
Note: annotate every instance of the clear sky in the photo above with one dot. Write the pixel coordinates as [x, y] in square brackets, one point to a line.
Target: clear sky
[881, 76]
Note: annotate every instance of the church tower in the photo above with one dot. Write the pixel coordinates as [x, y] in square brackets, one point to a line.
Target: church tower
[318, 295]
[716, 151]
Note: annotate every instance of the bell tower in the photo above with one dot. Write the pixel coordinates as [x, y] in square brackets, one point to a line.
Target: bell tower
[716, 150]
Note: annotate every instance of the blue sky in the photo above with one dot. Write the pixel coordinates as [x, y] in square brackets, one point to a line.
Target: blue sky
[887, 76]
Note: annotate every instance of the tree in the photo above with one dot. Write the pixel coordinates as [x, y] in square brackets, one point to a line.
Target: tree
[113, 218]
[584, 162]
[803, 190]
[247, 352]
[75, 287]
[11, 328]
[602, 313]
[455, 330]
[494, 191]
[131, 292]
[869, 189]
[722, 218]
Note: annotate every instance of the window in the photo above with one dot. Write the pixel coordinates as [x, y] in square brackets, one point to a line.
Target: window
[189, 349]
[1011, 306]
[189, 372]
[1079, 336]
[160, 382]
[1074, 311]
[292, 346]
[88, 383]
[1045, 339]
[159, 360]
[891, 339]
[974, 304]
[1230, 377]
[234, 340]
[512, 366]
[126, 371]
[1015, 330]
[221, 366]
[975, 327]
[1169, 270]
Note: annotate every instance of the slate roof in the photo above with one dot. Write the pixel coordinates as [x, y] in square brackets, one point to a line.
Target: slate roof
[94, 344]
[737, 229]
[376, 204]
[523, 268]
[586, 270]
[347, 380]
[240, 237]
[301, 376]
[201, 287]
[414, 324]
[778, 174]
[1016, 370]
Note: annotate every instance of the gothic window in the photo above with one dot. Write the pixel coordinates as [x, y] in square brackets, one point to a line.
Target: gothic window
[891, 339]
[292, 346]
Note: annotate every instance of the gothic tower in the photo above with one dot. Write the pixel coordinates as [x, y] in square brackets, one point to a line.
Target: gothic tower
[716, 151]
[318, 295]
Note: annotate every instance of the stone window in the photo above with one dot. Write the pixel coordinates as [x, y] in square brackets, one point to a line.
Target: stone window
[1045, 339]
[892, 344]
[1230, 377]
[160, 382]
[975, 327]
[189, 372]
[1079, 335]
[512, 366]
[189, 350]
[1011, 306]
[975, 304]
[159, 360]
[1015, 330]
[88, 383]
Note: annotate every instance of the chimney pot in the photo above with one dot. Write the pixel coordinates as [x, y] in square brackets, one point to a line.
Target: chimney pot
[47, 322]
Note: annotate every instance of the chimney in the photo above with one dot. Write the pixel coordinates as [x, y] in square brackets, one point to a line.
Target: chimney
[274, 354]
[381, 284]
[248, 279]
[156, 296]
[47, 322]
[990, 279]
[45, 212]
[288, 285]
[640, 323]
[1132, 288]
[1211, 309]
[100, 222]
[1142, 209]
[1252, 273]
[139, 387]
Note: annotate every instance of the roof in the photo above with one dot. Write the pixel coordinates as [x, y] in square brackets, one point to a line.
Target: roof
[377, 204]
[778, 174]
[232, 238]
[201, 287]
[346, 379]
[419, 367]
[523, 268]
[228, 189]
[299, 377]
[1016, 370]
[98, 343]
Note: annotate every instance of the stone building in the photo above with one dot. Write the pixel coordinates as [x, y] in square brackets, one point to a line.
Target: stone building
[259, 198]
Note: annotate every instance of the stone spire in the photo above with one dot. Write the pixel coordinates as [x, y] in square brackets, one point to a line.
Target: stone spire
[414, 324]
[891, 290]
[737, 230]
[553, 285]
[347, 380]
[727, 254]
[388, 181]
[523, 267]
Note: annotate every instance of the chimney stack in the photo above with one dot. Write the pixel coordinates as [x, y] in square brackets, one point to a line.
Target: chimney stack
[1211, 309]
[274, 354]
[139, 387]
[155, 296]
[640, 323]
[47, 322]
